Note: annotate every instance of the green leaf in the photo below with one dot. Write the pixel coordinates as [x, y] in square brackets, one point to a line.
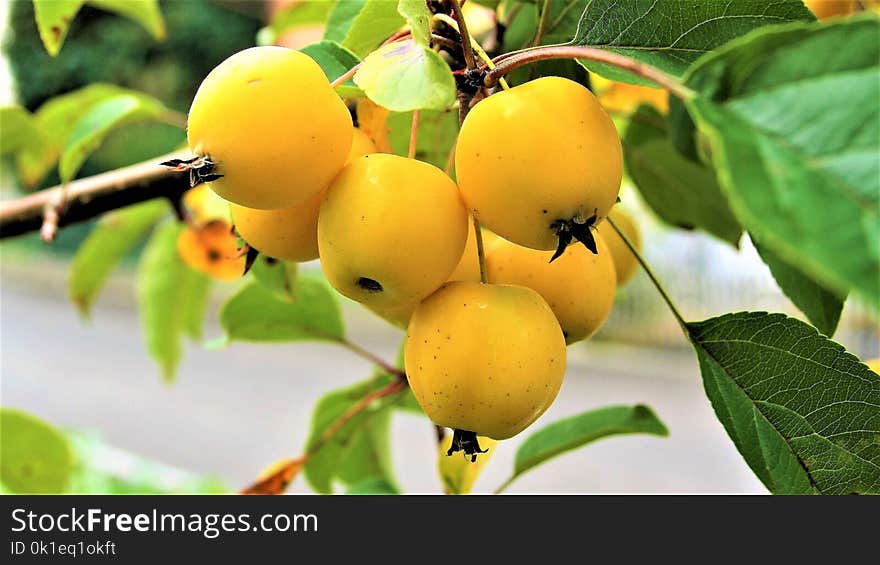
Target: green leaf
[164, 284]
[372, 485]
[821, 306]
[335, 60]
[20, 130]
[53, 20]
[255, 314]
[803, 412]
[404, 76]
[672, 35]
[35, 456]
[144, 12]
[112, 239]
[195, 296]
[361, 25]
[277, 276]
[418, 16]
[92, 128]
[793, 124]
[438, 130]
[576, 431]
[682, 193]
[359, 449]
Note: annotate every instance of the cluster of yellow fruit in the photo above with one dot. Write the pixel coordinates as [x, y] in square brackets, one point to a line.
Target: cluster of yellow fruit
[539, 165]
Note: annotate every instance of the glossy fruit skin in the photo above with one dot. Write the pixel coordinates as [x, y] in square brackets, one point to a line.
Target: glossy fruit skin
[579, 286]
[831, 8]
[390, 230]
[625, 263]
[874, 364]
[269, 120]
[291, 233]
[468, 268]
[538, 153]
[484, 358]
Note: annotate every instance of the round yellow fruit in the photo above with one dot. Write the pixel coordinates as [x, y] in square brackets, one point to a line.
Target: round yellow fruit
[536, 157]
[390, 230]
[291, 233]
[212, 249]
[468, 268]
[874, 364]
[625, 263]
[579, 286]
[484, 358]
[269, 121]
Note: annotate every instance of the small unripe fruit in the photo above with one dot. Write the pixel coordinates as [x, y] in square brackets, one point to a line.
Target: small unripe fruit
[272, 125]
[291, 233]
[484, 358]
[211, 249]
[390, 230]
[538, 157]
[579, 286]
[625, 263]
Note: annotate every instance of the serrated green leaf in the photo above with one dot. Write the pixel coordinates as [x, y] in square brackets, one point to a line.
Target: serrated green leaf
[359, 449]
[163, 282]
[361, 25]
[112, 239]
[792, 120]
[576, 431]
[35, 456]
[255, 314]
[672, 35]
[53, 20]
[335, 60]
[277, 276]
[803, 412]
[438, 130]
[821, 306]
[405, 76]
[93, 127]
[418, 17]
[144, 12]
[682, 193]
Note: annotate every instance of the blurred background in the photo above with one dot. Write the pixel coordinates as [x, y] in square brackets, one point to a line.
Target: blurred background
[233, 412]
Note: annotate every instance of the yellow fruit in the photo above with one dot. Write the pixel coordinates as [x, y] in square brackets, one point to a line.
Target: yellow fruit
[483, 358]
[537, 158]
[373, 121]
[579, 286]
[211, 249]
[457, 472]
[831, 8]
[204, 205]
[625, 263]
[269, 121]
[291, 233]
[874, 364]
[390, 230]
[625, 98]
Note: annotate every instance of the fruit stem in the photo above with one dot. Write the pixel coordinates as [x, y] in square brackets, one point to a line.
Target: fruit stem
[506, 64]
[413, 135]
[481, 252]
[657, 284]
[372, 358]
[344, 77]
[465, 36]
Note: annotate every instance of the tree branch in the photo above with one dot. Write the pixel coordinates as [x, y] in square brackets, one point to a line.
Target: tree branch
[511, 62]
[90, 197]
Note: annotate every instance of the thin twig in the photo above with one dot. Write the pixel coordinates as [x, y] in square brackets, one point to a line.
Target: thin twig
[510, 63]
[481, 253]
[344, 78]
[413, 135]
[469, 61]
[372, 358]
[656, 282]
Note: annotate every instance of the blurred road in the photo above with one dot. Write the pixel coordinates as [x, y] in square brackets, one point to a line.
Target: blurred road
[233, 412]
